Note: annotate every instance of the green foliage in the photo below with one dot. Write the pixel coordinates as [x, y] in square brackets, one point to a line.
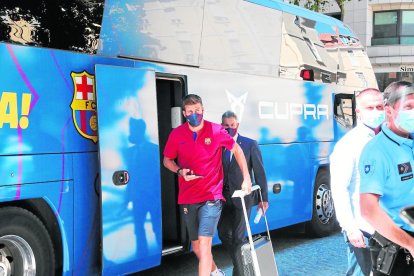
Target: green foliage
[316, 5]
[319, 5]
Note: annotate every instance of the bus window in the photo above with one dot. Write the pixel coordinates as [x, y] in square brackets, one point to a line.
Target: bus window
[344, 110]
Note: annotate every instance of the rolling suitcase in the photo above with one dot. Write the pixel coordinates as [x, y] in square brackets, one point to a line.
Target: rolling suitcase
[257, 255]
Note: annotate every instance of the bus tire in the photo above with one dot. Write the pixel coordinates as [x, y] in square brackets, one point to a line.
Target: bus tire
[323, 220]
[25, 244]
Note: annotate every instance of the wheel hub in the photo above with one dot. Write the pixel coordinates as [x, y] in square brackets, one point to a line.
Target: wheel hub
[16, 257]
[5, 268]
[324, 204]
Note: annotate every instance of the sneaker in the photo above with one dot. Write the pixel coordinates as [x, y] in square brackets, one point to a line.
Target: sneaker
[218, 272]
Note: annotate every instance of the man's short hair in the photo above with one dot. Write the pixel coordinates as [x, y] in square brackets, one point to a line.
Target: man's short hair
[228, 114]
[397, 90]
[358, 94]
[191, 99]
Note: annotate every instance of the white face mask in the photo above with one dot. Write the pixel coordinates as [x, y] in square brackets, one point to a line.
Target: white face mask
[405, 120]
[372, 118]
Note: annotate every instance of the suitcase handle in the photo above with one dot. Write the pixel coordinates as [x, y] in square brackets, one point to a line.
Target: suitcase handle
[242, 194]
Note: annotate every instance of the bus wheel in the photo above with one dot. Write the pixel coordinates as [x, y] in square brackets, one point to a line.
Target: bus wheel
[323, 214]
[25, 245]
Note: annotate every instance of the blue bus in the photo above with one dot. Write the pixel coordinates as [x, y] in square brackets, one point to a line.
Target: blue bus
[90, 90]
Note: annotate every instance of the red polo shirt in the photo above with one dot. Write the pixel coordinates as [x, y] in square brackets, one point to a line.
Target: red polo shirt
[203, 156]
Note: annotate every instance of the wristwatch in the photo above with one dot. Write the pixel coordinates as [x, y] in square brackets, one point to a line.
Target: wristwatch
[178, 171]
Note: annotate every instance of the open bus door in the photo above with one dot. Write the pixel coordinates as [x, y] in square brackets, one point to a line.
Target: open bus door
[130, 169]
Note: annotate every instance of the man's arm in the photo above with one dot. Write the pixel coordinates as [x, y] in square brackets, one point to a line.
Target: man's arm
[383, 224]
[184, 172]
[259, 174]
[241, 160]
[342, 166]
[170, 164]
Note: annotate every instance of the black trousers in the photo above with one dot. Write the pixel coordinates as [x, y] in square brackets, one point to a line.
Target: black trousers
[403, 265]
[232, 232]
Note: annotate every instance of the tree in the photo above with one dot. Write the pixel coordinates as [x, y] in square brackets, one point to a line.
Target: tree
[341, 4]
[319, 5]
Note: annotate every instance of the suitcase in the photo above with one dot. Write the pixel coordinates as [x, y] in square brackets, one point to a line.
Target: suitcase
[257, 255]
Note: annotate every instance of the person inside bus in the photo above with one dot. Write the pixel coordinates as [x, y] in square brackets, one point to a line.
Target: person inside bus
[232, 225]
[197, 147]
[387, 183]
[345, 179]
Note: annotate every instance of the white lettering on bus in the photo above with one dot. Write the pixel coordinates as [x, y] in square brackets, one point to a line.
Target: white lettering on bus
[286, 111]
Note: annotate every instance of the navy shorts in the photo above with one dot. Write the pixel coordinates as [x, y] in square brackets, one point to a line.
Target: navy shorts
[202, 218]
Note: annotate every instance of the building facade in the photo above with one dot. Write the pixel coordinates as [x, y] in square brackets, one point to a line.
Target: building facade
[386, 28]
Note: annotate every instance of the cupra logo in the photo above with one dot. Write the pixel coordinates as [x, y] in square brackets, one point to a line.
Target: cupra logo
[237, 104]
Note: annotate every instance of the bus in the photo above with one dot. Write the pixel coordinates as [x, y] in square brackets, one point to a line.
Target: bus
[90, 90]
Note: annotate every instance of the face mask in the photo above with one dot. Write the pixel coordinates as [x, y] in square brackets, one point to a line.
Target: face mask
[373, 118]
[232, 131]
[194, 119]
[405, 120]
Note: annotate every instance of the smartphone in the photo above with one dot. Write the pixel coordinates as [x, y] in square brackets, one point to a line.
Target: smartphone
[407, 214]
[192, 174]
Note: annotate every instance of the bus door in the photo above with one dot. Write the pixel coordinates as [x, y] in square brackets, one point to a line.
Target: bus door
[130, 169]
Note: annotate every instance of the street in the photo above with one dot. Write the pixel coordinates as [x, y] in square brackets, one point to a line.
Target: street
[296, 254]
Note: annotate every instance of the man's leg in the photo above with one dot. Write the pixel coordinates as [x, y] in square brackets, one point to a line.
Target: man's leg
[190, 214]
[363, 258]
[353, 268]
[225, 227]
[205, 260]
[196, 249]
[225, 232]
[209, 215]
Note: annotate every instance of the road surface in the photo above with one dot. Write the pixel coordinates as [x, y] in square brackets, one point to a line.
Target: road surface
[296, 254]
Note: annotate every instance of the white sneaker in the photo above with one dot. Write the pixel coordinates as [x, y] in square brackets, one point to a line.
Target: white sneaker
[218, 272]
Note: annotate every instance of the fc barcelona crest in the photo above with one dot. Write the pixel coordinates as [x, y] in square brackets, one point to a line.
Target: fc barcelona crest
[84, 105]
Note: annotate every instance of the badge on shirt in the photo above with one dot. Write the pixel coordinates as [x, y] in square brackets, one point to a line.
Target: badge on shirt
[369, 168]
[207, 141]
[404, 168]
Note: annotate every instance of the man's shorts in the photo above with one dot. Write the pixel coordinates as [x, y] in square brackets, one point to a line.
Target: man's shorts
[201, 218]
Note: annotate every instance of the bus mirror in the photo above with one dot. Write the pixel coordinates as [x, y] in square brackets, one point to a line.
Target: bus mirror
[277, 188]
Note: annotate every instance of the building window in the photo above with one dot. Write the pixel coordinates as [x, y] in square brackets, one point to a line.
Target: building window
[407, 27]
[384, 79]
[393, 27]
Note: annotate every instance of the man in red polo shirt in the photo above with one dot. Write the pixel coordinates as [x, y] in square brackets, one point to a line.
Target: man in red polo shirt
[197, 146]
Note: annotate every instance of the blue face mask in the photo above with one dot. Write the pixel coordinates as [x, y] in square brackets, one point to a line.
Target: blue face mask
[373, 118]
[232, 131]
[194, 119]
[405, 120]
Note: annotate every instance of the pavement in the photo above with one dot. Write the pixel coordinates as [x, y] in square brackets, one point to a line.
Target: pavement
[296, 254]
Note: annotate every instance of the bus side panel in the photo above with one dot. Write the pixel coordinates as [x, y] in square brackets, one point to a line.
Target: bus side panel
[19, 169]
[37, 87]
[285, 117]
[87, 213]
[168, 31]
[288, 165]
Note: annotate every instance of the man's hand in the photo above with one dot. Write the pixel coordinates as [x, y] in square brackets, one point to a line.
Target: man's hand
[356, 238]
[189, 175]
[264, 206]
[247, 186]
